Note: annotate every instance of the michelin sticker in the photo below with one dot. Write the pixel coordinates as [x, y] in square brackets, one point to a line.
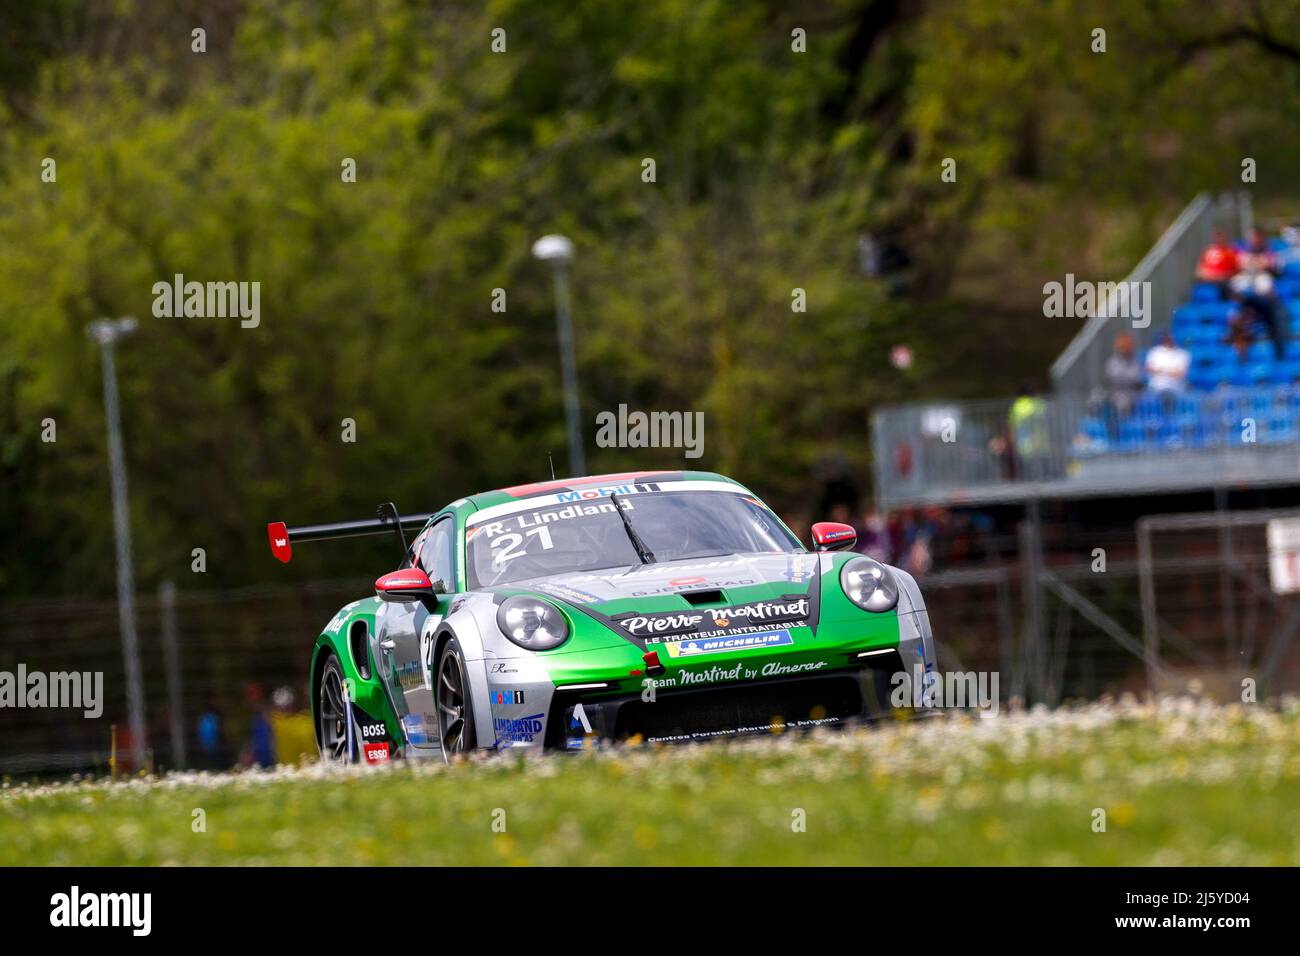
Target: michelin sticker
[728, 643]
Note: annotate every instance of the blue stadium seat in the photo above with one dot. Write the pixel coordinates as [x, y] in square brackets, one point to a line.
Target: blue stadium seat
[1146, 406]
[1224, 389]
[1216, 353]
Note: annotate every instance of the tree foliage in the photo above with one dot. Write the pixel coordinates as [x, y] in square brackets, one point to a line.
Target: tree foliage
[376, 296]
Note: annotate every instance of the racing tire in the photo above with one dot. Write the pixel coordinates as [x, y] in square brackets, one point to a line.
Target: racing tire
[451, 698]
[331, 713]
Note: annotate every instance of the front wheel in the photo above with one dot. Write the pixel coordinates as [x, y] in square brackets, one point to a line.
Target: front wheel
[332, 714]
[452, 697]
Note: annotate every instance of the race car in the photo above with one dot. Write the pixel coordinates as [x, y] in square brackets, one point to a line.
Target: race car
[572, 614]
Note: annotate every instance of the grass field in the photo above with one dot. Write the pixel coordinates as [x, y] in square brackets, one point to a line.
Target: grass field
[1181, 782]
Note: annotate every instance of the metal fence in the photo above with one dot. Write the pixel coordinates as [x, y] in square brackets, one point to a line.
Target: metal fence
[1179, 604]
[1170, 267]
[1054, 627]
[1067, 446]
[1210, 571]
[202, 653]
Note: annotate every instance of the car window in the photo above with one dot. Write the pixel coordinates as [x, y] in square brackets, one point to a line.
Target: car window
[589, 535]
[435, 553]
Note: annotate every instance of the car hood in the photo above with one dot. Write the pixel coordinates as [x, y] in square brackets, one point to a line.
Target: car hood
[677, 585]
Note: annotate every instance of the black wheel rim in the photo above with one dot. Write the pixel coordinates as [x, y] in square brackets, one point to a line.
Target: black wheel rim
[451, 704]
[333, 717]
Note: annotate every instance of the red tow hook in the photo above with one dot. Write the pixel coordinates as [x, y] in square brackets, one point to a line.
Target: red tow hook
[652, 665]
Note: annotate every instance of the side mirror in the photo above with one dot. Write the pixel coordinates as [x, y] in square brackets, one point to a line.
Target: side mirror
[833, 536]
[409, 584]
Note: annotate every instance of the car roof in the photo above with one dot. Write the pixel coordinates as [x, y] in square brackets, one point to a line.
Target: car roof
[612, 481]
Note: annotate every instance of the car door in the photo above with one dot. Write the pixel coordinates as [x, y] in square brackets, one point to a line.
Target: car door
[406, 636]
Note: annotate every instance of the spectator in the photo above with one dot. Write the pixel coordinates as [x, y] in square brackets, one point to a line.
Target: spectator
[1121, 383]
[1219, 261]
[1257, 303]
[260, 750]
[1167, 367]
[1002, 447]
[1028, 423]
[1241, 330]
[1254, 288]
[294, 735]
[1258, 257]
[211, 734]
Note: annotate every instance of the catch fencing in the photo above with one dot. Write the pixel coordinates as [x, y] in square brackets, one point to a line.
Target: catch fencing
[222, 653]
[1178, 604]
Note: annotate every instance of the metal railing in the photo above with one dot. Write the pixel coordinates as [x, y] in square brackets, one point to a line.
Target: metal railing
[1170, 267]
[200, 653]
[1069, 446]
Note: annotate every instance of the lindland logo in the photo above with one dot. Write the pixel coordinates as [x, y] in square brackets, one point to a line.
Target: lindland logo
[59, 689]
[210, 300]
[1081, 300]
[133, 910]
[651, 430]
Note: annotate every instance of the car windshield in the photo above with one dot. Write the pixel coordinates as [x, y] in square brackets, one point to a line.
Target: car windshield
[588, 535]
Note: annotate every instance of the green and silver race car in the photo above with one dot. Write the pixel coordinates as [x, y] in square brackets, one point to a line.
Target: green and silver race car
[659, 606]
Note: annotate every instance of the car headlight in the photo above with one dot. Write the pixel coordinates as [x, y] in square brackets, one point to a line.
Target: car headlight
[869, 584]
[532, 623]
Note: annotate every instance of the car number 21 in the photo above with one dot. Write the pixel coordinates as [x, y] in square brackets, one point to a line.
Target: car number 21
[513, 545]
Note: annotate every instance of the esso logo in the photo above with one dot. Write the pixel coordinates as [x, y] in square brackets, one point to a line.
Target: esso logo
[376, 753]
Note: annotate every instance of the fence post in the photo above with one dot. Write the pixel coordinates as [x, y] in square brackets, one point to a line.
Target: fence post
[1227, 597]
[1147, 589]
[1031, 562]
[172, 668]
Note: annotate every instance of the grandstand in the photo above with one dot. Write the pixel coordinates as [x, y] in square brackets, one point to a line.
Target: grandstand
[1225, 388]
[1067, 478]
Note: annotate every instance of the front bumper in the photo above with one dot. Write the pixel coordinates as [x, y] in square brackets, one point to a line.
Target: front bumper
[579, 720]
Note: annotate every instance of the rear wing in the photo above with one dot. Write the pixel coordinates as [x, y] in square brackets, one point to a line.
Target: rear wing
[281, 536]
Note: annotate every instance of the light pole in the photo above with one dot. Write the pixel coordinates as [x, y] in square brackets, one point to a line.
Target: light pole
[106, 332]
[558, 251]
